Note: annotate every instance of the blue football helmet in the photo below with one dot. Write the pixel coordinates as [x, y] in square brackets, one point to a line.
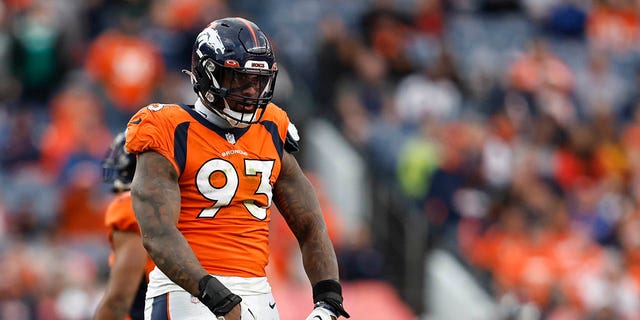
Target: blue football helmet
[118, 165]
[233, 70]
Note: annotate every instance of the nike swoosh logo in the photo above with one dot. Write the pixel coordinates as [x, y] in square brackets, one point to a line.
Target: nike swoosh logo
[252, 315]
[317, 317]
[136, 121]
[272, 305]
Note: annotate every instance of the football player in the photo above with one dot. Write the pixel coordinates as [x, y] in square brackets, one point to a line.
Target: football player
[206, 177]
[130, 264]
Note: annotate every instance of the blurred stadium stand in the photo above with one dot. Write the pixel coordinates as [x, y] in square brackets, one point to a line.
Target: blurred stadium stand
[475, 159]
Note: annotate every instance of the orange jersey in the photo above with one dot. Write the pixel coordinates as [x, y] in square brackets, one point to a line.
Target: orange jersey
[225, 177]
[120, 217]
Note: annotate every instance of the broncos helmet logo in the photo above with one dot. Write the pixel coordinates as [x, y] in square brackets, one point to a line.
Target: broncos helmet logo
[211, 37]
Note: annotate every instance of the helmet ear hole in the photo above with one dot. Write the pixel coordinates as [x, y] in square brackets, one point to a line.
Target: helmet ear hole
[209, 65]
[202, 81]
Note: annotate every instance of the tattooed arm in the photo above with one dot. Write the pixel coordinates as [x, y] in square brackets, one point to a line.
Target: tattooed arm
[297, 201]
[156, 203]
[298, 204]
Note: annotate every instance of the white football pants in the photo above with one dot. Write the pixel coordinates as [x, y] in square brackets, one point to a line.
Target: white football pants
[181, 305]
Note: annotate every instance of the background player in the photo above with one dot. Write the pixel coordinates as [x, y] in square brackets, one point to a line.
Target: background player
[130, 264]
[206, 177]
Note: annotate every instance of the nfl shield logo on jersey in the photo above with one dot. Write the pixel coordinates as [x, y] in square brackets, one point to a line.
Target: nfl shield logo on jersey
[231, 138]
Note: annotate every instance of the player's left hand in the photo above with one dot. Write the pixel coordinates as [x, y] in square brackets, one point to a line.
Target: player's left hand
[234, 314]
[321, 313]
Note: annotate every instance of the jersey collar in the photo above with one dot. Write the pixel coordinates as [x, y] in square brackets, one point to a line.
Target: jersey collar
[212, 121]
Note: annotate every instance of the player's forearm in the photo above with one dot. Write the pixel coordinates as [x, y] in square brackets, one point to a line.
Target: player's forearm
[155, 196]
[171, 253]
[319, 258]
[166, 246]
[297, 202]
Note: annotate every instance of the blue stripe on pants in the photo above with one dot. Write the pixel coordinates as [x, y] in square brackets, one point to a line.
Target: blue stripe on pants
[159, 309]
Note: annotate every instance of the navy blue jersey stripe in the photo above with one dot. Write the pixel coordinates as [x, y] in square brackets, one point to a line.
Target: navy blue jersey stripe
[273, 130]
[159, 310]
[180, 145]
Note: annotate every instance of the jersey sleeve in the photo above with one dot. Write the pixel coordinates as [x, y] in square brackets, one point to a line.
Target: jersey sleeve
[120, 216]
[151, 129]
[291, 142]
[287, 130]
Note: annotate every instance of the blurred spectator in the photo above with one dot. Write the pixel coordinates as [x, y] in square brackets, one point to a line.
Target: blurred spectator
[39, 59]
[538, 67]
[631, 102]
[82, 209]
[335, 59]
[458, 170]
[364, 97]
[430, 93]
[498, 154]
[354, 119]
[545, 81]
[608, 148]
[430, 18]
[629, 240]
[418, 159]
[386, 31]
[77, 127]
[128, 67]
[386, 139]
[370, 81]
[21, 147]
[612, 88]
[484, 92]
[9, 86]
[613, 26]
[574, 160]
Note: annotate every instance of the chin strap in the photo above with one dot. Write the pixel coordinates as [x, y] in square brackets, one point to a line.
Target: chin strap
[222, 93]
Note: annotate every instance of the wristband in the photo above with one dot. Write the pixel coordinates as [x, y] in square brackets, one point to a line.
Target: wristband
[328, 294]
[218, 298]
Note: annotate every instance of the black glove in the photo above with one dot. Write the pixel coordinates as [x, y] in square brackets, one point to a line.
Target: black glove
[329, 294]
[218, 298]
